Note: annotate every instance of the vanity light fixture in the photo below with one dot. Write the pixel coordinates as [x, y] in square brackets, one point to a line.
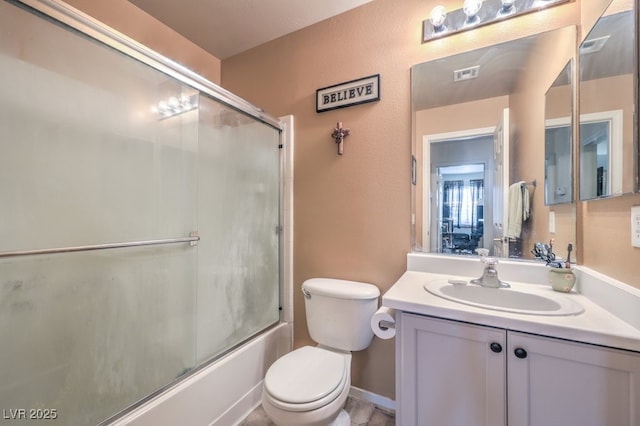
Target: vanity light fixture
[174, 106]
[475, 13]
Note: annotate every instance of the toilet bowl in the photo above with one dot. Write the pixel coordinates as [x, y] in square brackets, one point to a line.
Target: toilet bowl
[309, 386]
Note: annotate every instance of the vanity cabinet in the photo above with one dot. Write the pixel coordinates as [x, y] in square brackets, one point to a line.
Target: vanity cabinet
[448, 375]
[452, 373]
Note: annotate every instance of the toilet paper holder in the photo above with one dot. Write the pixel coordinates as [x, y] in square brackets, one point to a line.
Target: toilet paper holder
[385, 325]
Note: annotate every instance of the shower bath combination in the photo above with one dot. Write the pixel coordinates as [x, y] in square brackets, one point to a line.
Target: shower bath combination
[139, 203]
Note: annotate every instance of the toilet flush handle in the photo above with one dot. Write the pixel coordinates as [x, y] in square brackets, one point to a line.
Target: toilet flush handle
[306, 293]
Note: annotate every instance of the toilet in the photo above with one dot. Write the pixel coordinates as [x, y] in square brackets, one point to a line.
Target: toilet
[309, 386]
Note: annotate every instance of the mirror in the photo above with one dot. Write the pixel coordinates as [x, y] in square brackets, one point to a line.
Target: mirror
[607, 86]
[478, 151]
[558, 146]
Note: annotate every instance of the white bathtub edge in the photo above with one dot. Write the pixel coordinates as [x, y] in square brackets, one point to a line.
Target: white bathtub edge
[242, 408]
[218, 392]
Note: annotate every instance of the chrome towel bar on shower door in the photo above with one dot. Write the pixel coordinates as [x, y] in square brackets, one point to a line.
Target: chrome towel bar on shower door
[192, 239]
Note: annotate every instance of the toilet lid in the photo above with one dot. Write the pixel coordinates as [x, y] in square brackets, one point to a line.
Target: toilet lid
[305, 375]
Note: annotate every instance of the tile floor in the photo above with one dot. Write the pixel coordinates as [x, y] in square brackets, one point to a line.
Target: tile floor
[362, 414]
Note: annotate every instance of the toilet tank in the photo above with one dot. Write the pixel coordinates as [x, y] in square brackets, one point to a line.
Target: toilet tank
[339, 312]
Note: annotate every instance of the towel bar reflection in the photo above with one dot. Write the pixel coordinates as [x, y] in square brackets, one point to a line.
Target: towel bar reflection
[192, 239]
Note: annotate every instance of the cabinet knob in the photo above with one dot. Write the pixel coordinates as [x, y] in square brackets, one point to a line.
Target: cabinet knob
[520, 353]
[496, 347]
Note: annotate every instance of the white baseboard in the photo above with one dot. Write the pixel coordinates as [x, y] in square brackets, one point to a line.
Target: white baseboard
[375, 399]
[242, 408]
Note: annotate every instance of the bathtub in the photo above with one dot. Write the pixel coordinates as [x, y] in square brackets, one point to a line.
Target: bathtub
[221, 394]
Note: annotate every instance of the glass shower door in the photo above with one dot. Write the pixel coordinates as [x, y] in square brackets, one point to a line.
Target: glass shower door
[84, 161]
[91, 153]
[238, 217]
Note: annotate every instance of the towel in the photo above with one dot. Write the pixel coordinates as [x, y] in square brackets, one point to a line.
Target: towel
[519, 209]
[526, 210]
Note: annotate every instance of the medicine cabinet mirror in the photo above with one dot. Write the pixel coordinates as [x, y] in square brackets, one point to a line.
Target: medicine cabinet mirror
[558, 136]
[478, 142]
[608, 93]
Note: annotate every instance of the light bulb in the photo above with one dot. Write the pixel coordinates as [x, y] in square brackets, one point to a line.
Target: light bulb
[508, 8]
[508, 4]
[173, 102]
[471, 8]
[438, 16]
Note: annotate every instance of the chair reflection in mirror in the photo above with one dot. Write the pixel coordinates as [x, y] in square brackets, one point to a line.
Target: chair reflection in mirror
[462, 223]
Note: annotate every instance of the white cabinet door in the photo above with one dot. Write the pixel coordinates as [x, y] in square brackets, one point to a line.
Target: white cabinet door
[557, 382]
[449, 373]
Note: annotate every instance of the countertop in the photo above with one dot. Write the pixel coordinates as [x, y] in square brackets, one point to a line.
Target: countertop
[595, 325]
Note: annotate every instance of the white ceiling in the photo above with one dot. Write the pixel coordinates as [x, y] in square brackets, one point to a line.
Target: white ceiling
[227, 27]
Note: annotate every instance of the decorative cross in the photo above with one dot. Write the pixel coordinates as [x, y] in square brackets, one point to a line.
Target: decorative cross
[339, 133]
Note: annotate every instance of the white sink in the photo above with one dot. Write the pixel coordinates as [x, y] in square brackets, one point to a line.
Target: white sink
[517, 299]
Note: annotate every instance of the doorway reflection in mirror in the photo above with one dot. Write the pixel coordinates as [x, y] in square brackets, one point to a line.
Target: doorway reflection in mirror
[460, 213]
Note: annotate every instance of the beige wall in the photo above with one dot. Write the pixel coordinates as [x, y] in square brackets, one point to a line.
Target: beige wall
[352, 212]
[145, 29]
[607, 238]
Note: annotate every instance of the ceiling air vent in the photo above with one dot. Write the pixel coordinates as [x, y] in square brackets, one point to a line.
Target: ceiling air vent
[593, 45]
[466, 73]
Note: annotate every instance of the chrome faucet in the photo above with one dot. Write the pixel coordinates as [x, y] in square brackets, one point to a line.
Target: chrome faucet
[489, 277]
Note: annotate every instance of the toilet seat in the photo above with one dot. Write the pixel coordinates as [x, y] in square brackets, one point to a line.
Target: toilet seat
[306, 379]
